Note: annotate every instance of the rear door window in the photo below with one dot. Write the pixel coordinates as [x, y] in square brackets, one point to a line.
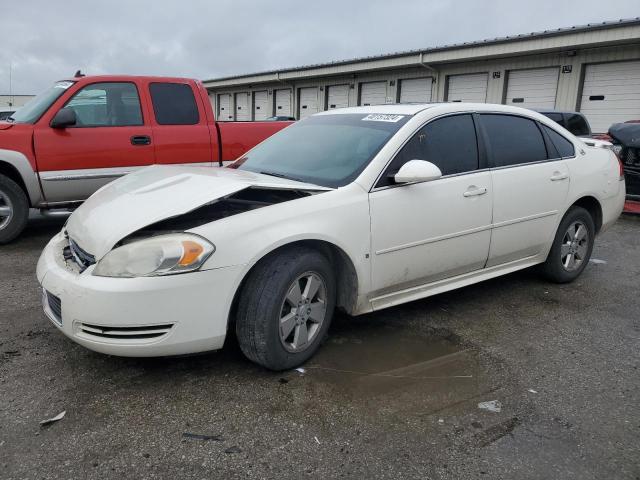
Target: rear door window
[513, 140]
[449, 142]
[563, 146]
[174, 104]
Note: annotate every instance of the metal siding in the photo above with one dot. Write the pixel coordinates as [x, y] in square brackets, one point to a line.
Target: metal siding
[619, 83]
[415, 90]
[537, 88]
[468, 88]
[373, 93]
[242, 107]
[283, 102]
[225, 107]
[337, 96]
[260, 105]
[308, 102]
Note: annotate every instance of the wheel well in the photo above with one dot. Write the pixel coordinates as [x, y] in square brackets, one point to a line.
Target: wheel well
[11, 172]
[347, 278]
[591, 205]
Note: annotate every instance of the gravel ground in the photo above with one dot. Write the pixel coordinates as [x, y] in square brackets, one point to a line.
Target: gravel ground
[393, 394]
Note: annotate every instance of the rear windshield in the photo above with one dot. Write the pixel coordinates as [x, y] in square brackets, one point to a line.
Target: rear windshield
[34, 108]
[327, 150]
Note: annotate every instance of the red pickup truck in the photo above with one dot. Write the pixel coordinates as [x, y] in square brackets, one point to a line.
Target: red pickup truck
[84, 132]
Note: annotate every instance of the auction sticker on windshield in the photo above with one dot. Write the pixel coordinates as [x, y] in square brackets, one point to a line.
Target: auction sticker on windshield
[383, 117]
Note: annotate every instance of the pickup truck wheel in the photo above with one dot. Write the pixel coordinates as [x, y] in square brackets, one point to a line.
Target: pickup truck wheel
[572, 247]
[285, 308]
[14, 209]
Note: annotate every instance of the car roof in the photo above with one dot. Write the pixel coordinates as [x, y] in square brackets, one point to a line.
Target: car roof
[439, 108]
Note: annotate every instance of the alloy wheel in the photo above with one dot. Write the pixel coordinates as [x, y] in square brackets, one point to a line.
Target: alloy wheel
[303, 312]
[575, 246]
[6, 210]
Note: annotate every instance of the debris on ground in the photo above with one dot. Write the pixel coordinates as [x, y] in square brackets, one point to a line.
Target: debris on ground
[493, 406]
[283, 380]
[234, 449]
[51, 420]
[300, 369]
[531, 390]
[597, 261]
[317, 441]
[441, 421]
[198, 436]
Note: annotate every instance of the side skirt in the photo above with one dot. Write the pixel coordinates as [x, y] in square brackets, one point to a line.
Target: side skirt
[441, 286]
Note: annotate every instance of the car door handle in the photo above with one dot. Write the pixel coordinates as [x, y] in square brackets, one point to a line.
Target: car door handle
[475, 191]
[141, 140]
[559, 176]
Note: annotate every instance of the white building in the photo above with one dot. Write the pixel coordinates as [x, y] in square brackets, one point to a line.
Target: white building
[13, 102]
[593, 68]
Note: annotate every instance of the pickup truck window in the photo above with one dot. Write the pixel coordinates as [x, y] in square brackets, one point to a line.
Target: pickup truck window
[174, 104]
[33, 110]
[577, 125]
[109, 104]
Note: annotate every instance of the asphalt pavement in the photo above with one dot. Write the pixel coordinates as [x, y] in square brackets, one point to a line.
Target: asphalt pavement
[513, 378]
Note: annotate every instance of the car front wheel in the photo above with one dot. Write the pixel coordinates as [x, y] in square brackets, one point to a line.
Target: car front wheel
[572, 246]
[285, 308]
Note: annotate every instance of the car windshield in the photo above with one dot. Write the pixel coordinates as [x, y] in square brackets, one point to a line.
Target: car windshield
[327, 150]
[34, 108]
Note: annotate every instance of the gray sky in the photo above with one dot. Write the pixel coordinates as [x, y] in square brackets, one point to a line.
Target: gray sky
[46, 40]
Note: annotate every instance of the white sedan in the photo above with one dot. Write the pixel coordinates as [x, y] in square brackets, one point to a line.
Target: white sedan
[358, 209]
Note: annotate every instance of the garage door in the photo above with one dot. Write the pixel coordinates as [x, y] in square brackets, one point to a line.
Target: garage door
[283, 103]
[467, 88]
[611, 94]
[260, 105]
[242, 107]
[373, 93]
[337, 96]
[535, 88]
[415, 90]
[225, 107]
[308, 102]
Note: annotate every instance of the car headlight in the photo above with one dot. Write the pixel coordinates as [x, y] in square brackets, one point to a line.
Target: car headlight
[162, 255]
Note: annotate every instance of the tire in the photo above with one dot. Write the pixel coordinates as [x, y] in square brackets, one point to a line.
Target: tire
[14, 210]
[568, 241]
[269, 297]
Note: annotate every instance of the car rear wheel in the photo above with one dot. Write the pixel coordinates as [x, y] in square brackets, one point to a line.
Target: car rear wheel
[572, 247]
[14, 209]
[285, 308]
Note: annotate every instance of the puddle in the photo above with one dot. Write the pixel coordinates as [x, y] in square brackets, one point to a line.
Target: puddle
[396, 366]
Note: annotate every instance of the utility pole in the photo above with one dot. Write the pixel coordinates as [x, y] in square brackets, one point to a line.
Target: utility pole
[10, 89]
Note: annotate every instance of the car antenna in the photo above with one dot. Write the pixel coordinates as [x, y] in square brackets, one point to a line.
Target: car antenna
[79, 74]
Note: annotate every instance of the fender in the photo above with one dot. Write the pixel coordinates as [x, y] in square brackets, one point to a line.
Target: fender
[29, 177]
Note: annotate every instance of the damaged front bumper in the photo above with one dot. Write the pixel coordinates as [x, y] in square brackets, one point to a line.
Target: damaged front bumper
[137, 317]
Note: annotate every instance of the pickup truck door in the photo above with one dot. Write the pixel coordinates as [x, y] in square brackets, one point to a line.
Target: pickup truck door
[111, 138]
[180, 126]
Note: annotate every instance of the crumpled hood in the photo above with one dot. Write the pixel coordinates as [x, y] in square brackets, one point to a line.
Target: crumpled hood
[156, 193]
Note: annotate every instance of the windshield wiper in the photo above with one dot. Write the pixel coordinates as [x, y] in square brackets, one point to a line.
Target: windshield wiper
[281, 175]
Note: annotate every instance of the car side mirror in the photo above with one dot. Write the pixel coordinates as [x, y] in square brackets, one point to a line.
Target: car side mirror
[417, 171]
[66, 117]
